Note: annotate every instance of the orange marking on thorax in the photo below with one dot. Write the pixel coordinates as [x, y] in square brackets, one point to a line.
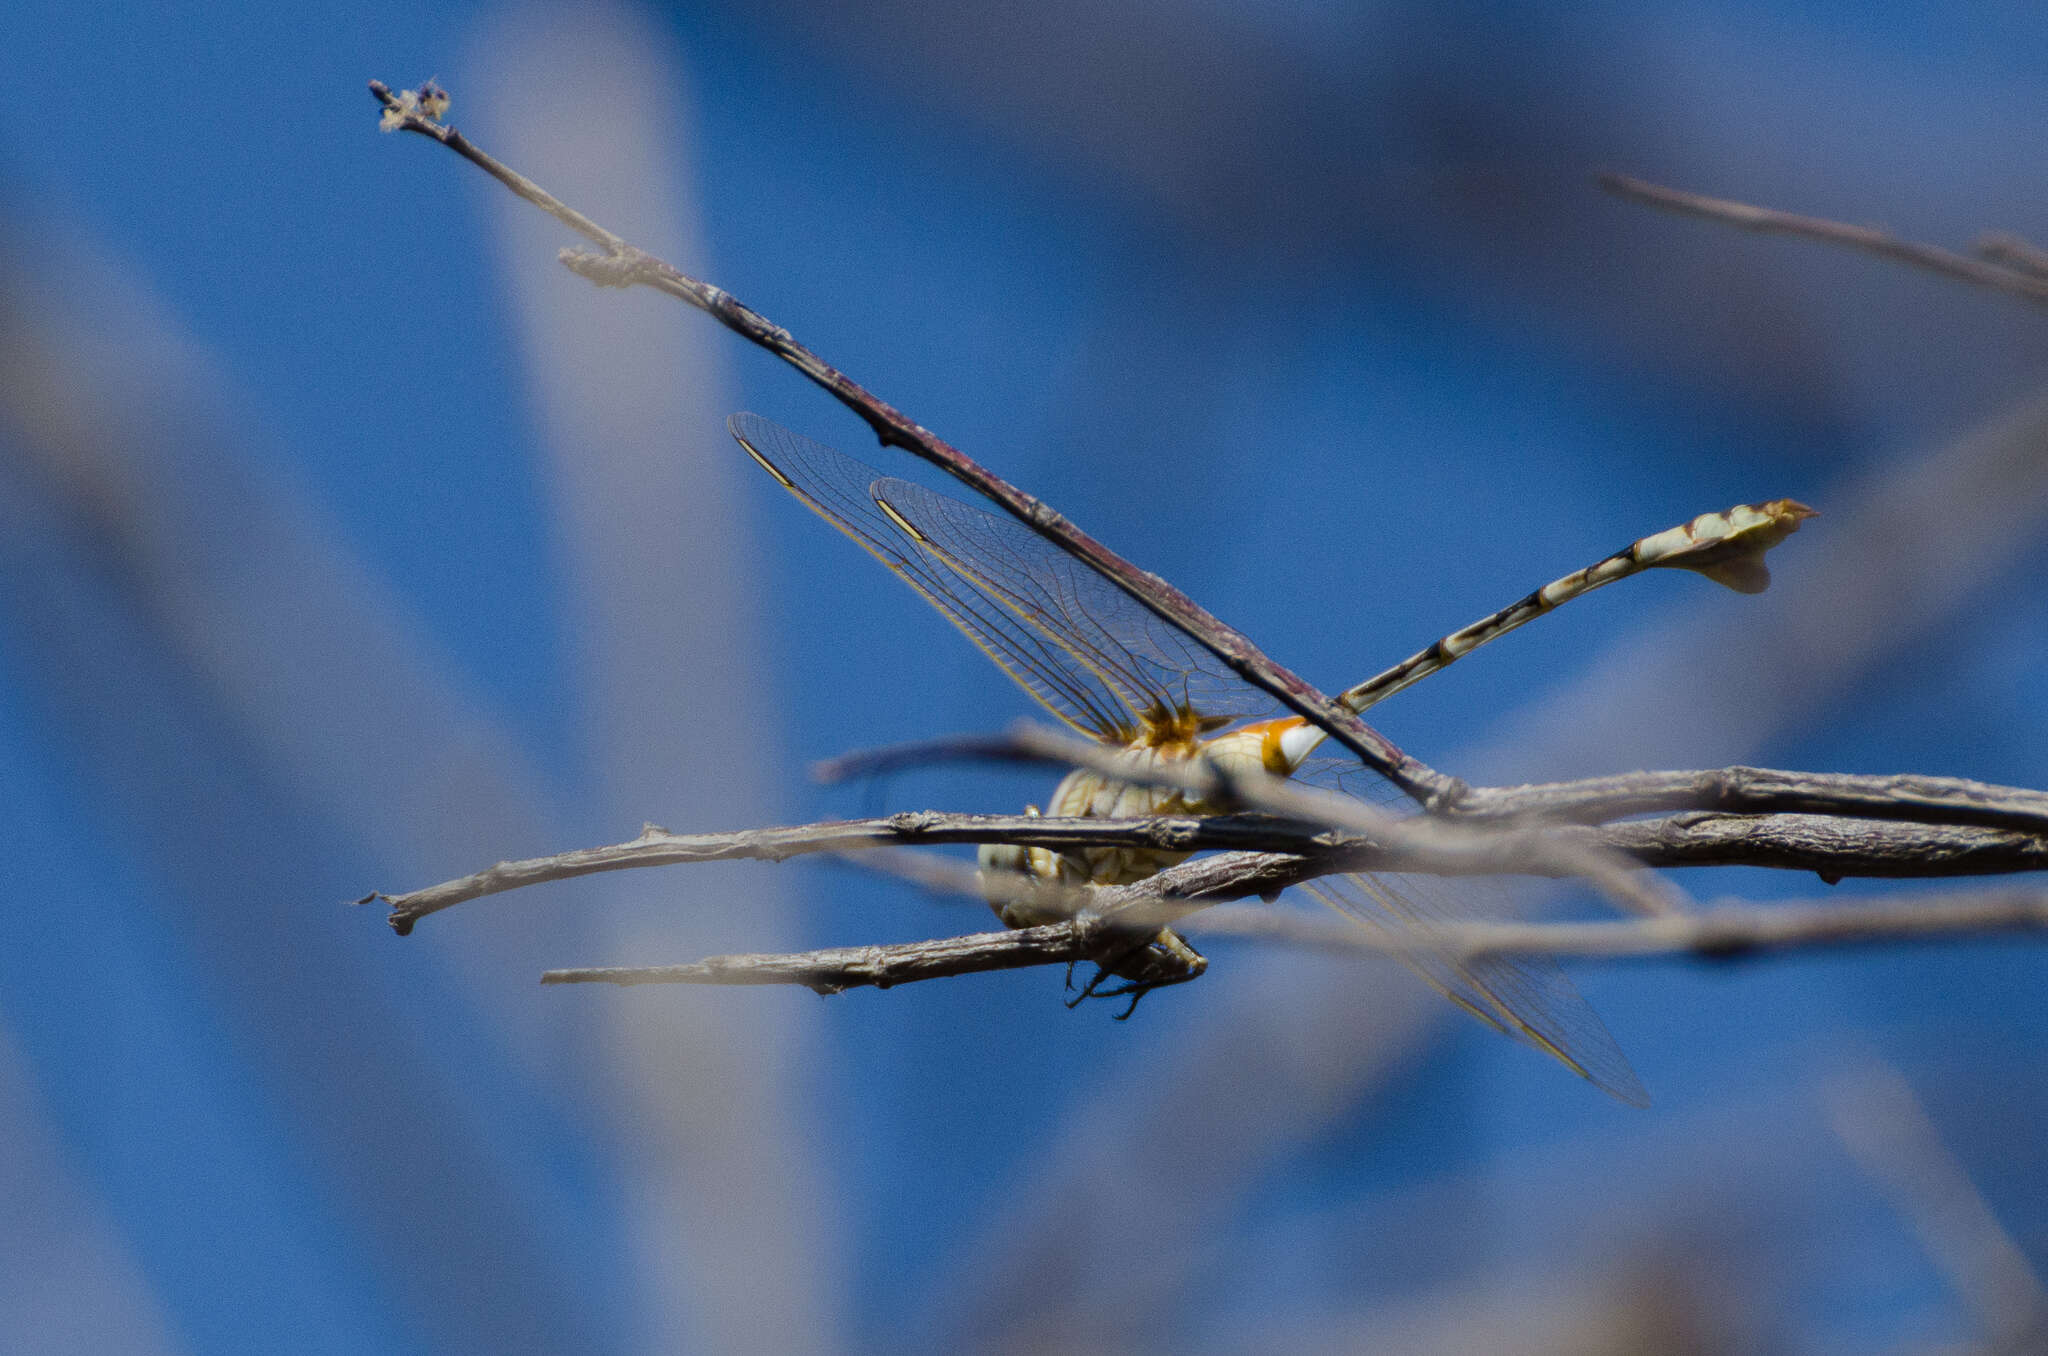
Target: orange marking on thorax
[1268, 733]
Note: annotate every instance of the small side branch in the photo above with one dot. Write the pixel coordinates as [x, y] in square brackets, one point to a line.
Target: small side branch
[1755, 790]
[836, 968]
[2022, 282]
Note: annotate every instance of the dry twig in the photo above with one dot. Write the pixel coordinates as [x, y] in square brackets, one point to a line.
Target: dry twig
[1718, 933]
[1877, 1115]
[1833, 846]
[623, 264]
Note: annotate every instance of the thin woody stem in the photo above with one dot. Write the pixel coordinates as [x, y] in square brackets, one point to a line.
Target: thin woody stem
[838, 968]
[658, 847]
[1833, 846]
[1838, 825]
[1755, 790]
[623, 264]
[2016, 282]
[1722, 932]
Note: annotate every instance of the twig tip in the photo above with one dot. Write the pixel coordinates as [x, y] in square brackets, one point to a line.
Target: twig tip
[418, 108]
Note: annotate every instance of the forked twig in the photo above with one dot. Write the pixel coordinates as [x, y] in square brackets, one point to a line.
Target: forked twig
[623, 264]
[1833, 846]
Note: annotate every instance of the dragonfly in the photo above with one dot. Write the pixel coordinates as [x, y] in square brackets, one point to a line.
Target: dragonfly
[1110, 668]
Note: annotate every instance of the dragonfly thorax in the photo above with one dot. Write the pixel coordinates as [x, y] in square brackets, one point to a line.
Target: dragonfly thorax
[1164, 727]
[1264, 747]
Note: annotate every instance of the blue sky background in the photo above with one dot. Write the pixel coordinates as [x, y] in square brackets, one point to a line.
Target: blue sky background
[348, 543]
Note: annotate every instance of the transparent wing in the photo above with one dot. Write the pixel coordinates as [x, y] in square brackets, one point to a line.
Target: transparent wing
[1151, 663]
[1526, 997]
[840, 490]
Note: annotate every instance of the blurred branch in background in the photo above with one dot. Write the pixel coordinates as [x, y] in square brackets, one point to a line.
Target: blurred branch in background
[1874, 1110]
[1718, 932]
[2005, 263]
[198, 637]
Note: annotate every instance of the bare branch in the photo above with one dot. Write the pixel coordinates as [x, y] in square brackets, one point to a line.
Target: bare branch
[1752, 790]
[1947, 837]
[659, 847]
[623, 264]
[1722, 932]
[1831, 848]
[847, 967]
[2020, 283]
[1834, 847]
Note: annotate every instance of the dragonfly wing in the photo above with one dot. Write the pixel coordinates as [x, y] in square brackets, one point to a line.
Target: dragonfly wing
[1527, 997]
[1146, 659]
[840, 490]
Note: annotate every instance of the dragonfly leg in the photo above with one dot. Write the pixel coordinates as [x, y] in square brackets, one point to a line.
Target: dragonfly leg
[1133, 989]
[1102, 972]
[1154, 963]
